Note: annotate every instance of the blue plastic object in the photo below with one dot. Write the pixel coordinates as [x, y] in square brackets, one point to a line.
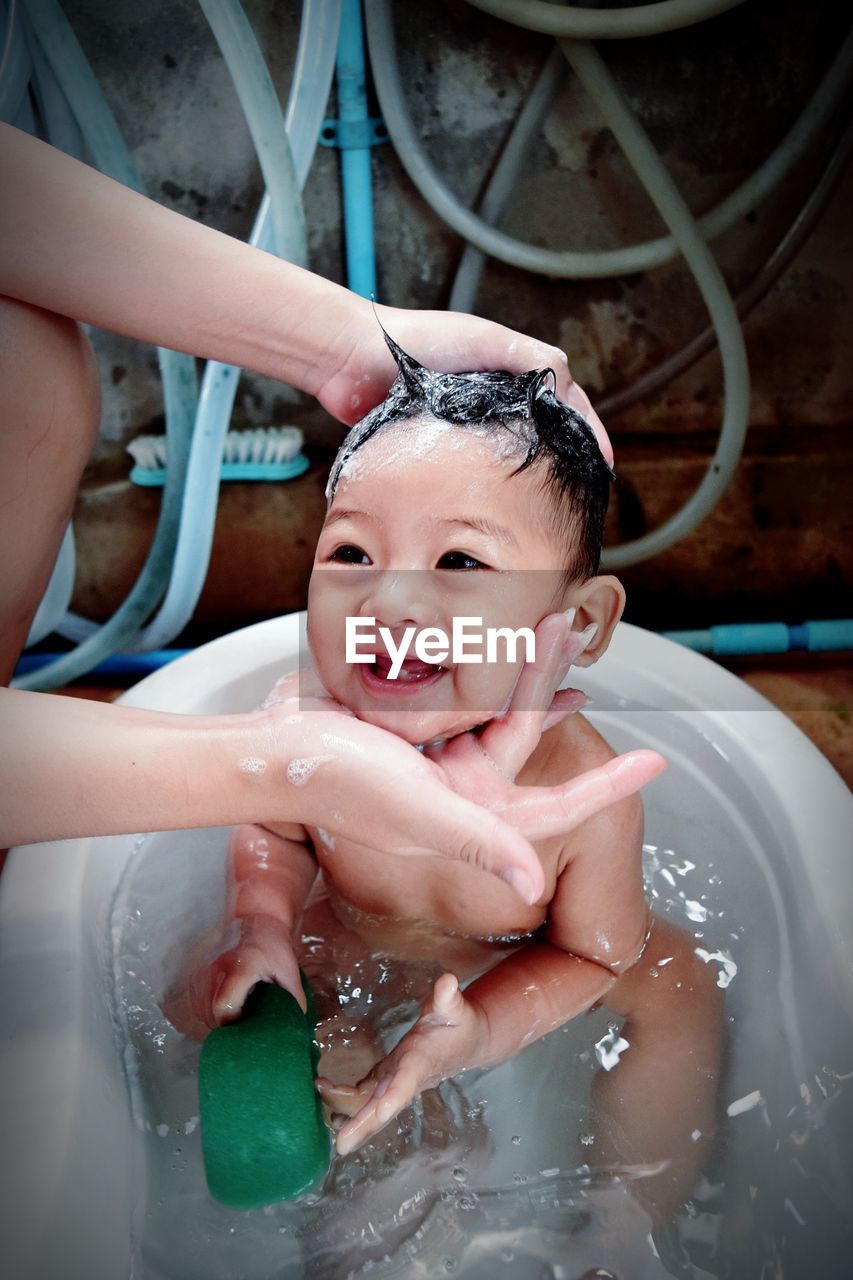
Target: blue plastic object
[830, 635]
[120, 665]
[154, 478]
[355, 126]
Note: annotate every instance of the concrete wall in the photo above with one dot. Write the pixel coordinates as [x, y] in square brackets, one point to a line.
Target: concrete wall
[715, 100]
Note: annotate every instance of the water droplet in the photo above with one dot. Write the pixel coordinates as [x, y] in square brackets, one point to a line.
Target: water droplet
[516, 1140]
[459, 1174]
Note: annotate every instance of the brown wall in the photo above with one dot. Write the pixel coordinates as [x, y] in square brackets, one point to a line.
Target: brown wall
[715, 100]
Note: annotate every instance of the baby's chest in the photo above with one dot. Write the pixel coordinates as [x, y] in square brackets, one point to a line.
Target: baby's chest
[455, 897]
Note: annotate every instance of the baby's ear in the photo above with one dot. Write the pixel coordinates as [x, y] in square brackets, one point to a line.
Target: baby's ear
[599, 603]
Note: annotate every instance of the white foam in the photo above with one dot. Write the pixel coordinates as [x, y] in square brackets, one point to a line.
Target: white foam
[252, 764]
[300, 769]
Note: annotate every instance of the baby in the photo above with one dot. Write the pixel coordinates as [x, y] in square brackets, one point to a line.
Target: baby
[478, 496]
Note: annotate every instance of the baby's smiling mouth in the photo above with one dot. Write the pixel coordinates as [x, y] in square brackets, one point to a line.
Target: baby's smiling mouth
[412, 671]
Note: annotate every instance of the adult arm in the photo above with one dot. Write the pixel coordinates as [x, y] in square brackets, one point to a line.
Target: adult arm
[71, 767]
[75, 242]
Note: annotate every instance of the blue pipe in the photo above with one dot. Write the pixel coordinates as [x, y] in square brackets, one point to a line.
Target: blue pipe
[120, 665]
[768, 637]
[355, 160]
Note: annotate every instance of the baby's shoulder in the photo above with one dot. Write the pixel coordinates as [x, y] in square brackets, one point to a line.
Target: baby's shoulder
[569, 748]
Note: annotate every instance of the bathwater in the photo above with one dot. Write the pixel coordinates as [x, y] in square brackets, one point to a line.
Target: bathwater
[510, 1173]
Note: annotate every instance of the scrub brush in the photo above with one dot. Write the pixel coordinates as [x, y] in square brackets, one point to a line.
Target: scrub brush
[267, 453]
[263, 1136]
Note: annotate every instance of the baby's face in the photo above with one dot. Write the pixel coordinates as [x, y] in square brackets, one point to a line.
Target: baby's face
[428, 523]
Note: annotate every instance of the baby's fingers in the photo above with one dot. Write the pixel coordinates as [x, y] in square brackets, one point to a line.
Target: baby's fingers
[344, 1099]
[566, 702]
[372, 1117]
[250, 965]
[388, 1096]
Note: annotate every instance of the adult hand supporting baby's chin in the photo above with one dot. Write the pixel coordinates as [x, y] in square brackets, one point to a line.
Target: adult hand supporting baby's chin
[449, 341]
[458, 800]
[485, 765]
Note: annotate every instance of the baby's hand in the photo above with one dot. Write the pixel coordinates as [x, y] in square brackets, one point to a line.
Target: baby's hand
[444, 1041]
[216, 992]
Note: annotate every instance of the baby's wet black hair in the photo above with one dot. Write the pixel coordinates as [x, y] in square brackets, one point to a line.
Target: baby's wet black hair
[522, 404]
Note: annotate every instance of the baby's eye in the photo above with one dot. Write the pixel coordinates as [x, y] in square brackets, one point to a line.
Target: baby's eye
[348, 553]
[459, 560]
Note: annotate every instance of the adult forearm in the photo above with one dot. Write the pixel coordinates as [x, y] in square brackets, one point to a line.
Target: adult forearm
[70, 767]
[531, 993]
[75, 242]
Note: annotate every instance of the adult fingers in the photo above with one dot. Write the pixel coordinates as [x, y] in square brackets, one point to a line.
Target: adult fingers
[540, 812]
[524, 353]
[510, 739]
[442, 823]
[578, 399]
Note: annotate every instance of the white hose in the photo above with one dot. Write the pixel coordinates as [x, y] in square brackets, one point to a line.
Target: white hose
[77, 82]
[505, 176]
[312, 79]
[650, 169]
[259, 101]
[686, 235]
[604, 24]
[566, 263]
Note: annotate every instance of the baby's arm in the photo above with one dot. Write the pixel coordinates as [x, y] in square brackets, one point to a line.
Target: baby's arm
[270, 874]
[595, 931]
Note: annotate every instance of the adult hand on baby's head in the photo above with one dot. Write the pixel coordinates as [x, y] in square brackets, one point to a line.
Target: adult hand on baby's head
[451, 342]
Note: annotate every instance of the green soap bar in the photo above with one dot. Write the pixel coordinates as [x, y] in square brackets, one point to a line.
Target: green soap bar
[262, 1130]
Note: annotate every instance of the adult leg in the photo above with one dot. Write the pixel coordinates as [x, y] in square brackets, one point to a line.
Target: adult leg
[49, 412]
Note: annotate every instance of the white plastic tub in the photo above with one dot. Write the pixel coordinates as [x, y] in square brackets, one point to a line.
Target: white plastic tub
[745, 793]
